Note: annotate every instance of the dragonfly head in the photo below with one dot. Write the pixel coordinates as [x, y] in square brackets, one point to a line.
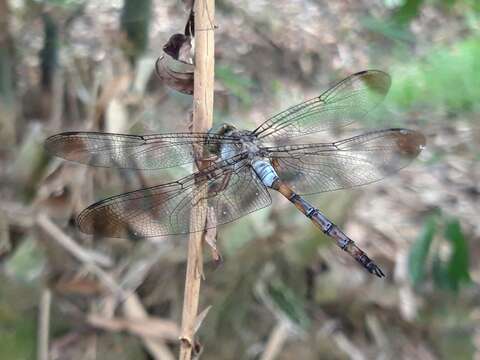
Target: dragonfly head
[222, 129]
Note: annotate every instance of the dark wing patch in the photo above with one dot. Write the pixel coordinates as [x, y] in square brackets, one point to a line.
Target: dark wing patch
[230, 188]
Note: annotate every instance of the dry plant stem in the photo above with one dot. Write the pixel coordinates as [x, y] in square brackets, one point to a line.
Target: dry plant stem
[44, 325]
[132, 306]
[275, 341]
[56, 234]
[133, 309]
[348, 347]
[202, 121]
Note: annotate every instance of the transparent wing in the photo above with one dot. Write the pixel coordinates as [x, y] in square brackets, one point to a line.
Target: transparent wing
[348, 101]
[232, 189]
[359, 160]
[131, 151]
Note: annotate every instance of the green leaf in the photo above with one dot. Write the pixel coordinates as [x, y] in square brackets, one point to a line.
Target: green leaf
[287, 303]
[440, 273]
[420, 249]
[420, 84]
[458, 263]
[135, 22]
[391, 29]
[409, 10]
[238, 84]
[28, 262]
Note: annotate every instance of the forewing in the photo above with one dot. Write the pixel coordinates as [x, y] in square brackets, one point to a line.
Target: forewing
[348, 101]
[131, 151]
[359, 160]
[232, 190]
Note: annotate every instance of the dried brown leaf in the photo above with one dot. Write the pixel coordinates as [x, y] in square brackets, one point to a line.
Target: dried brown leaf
[180, 81]
[79, 286]
[210, 235]
[54, 194]
[179, 47]
[190, 25]
[200, 318]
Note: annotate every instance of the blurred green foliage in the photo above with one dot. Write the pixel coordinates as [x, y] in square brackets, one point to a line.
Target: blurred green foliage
[284, 302]
[420, 249]
[446, 77]
[64, 3]
[406, 12]
[454, 272]
[49, 52]
[27, 263]
[135, 22]
[448, 272]
[17, 337]
[6, 76]
[18, 300]
[239, 85]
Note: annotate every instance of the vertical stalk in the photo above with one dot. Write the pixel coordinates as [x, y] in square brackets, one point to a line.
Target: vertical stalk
[202, 121]
[44, 325]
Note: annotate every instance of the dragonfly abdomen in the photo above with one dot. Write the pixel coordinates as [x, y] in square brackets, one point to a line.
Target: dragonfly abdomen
[265, 172]
[328, 228]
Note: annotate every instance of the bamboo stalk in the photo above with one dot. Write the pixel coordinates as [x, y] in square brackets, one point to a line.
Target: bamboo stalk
[202, 121]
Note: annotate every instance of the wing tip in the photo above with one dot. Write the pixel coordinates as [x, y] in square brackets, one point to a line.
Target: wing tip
[377, 81]
[410, 142]
[67, 146]
[95, 220]
[51, 142]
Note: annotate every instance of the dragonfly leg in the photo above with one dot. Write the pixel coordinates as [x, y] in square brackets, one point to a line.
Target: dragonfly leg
[216, 187]
[223, 185]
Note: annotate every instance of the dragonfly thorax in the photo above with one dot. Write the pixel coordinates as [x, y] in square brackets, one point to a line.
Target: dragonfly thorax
[248, 142]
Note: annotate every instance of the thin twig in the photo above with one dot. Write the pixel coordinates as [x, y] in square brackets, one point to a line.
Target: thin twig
[347, 346]
[275, 341]
[149, 327]
[44, 324]
[202, 121]
[134, 310]
[132, 306]
[44, 222]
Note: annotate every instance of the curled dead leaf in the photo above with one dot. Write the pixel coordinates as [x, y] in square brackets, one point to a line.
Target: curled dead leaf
[190, 25]
[210, 236]
[181, 81]
[179, 47]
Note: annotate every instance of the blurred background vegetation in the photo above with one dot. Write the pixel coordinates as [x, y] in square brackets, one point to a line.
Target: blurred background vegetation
[284, 289]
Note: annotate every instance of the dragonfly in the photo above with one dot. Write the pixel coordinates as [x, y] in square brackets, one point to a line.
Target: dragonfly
[236, 168]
